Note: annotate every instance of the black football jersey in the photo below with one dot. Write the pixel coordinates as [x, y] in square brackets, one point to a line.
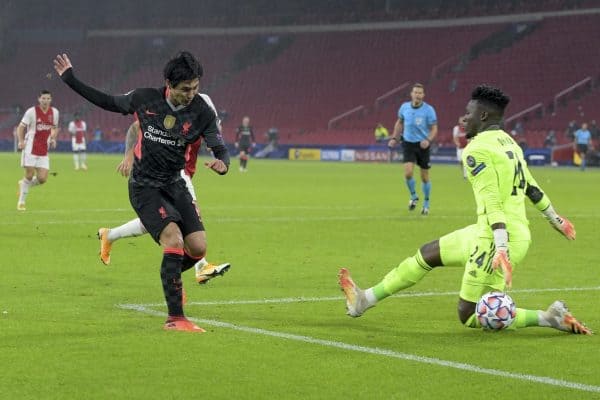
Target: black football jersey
[166, 133]
[244, 136]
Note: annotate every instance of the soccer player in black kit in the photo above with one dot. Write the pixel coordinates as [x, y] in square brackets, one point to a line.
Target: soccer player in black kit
[244, 141]
[171, 118]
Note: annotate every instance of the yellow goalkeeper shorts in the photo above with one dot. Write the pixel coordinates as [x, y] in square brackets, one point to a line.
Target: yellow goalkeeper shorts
[464, 247]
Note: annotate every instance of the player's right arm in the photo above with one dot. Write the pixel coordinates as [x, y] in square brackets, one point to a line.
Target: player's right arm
[124, 167]
[484, 179]
[121, 104]
[455, 133]
[27, 120]
[21, 136]
[238, 135]
[541, 201]
[397, 135]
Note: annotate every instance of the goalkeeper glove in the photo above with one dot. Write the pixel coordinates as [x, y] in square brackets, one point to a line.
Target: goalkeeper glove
[501, 258]
[561, 224]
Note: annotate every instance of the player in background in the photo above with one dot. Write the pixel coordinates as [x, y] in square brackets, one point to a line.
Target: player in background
[171, 118]
[582, 143]
[417, 125]
[460, 141]
[203, 269]
[244, 142]
[40, 124]
[501, 181]
[78, 130]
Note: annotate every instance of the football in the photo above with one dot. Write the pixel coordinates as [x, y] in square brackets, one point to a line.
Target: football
[496, 311]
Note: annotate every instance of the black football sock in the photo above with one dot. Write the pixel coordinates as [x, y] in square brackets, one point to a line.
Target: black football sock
[188, 262]
[170, 275]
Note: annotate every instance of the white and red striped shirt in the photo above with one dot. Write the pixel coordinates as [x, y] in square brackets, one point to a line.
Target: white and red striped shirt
[191, 152]
[39, 125]
[459, 132]
[78, 129]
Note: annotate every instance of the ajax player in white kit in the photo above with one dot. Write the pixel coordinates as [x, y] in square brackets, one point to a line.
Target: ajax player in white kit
[460, 140]
[78, 129]
[36, 133]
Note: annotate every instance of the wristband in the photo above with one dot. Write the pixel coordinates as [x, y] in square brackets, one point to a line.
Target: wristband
[500, 239]
[550, 214]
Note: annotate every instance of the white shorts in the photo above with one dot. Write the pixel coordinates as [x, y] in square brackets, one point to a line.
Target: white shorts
[189, 185]
[29, 160]
[77, 146]
[459, 154]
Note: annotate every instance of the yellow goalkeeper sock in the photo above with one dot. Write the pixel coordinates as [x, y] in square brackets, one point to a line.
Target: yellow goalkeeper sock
[409, 272]
[523, 319]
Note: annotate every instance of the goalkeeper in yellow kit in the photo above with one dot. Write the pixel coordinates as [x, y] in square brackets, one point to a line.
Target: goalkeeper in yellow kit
[489, 249]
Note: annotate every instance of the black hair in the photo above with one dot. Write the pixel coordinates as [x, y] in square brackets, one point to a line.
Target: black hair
[45, 91]
[491, 97]
[182, 67]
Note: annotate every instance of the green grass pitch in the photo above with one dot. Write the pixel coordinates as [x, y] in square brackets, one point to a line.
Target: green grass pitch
[286, 227]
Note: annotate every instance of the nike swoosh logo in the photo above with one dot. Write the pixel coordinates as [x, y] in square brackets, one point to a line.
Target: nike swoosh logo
[148, 112]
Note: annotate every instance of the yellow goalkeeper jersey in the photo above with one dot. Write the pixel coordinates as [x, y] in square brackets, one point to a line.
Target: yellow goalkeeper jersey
[499, 176]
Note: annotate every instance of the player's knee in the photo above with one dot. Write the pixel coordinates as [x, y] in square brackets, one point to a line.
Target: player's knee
[171, 236]
[197, 250]
[195, 245]
[431, 254]
[42, 179]
[465, 310]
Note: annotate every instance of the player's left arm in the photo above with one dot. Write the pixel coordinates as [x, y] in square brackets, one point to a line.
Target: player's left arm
[541, 201]
[433, 128]
[53, 136]
[214, 141]
[84, 125]
[433, 131]
[54, 130]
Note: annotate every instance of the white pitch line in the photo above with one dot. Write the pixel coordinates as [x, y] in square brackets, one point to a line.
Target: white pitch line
[96, 223]
[381, 352]
[263, 207]
[283, 219]
[338, 298]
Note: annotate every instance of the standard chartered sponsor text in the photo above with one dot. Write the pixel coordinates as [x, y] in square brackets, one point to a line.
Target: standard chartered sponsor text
[152, 131]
